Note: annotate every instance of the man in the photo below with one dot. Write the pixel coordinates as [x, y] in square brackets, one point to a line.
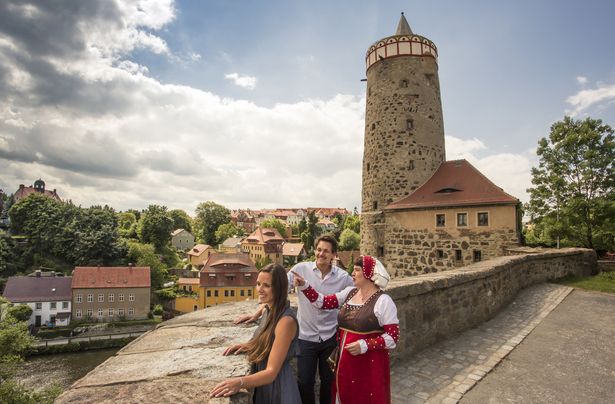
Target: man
[317, 327]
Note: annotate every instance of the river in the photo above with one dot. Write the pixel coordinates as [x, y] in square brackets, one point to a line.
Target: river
[43, 371]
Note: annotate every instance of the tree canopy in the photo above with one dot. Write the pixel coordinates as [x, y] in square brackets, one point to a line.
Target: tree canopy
[349, 240]
[573, 195]
[181, 220]
[274, 224]
[227, 230]
[209, 216]
[155, 226]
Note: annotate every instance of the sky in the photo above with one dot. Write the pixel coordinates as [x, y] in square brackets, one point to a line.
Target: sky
[260, 104]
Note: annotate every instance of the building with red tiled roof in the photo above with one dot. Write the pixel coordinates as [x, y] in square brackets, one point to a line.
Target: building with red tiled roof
[111, 293]
[227, 278]
[456, 217]
[37, 187]
[293, 253]
[264, 245]
[48, 295]
[198, 254]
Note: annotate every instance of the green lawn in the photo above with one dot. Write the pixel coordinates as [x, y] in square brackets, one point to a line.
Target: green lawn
[604, 282]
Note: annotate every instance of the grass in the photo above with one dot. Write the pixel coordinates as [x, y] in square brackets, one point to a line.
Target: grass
[603, 282]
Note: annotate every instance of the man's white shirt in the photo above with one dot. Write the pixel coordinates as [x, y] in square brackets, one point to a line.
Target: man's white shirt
[318, 325]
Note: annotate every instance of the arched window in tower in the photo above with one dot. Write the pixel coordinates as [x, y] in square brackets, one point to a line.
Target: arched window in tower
[404, 83]
[409, 124]
[411, 165]
[375, 205]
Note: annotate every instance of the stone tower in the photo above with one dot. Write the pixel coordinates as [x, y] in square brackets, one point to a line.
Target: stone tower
[404, 132]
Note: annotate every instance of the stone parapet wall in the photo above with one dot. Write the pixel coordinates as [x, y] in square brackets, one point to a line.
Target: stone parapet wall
[606, 265]
[181, 360]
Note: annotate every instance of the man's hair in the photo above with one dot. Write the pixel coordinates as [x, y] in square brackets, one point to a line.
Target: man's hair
[328, 238]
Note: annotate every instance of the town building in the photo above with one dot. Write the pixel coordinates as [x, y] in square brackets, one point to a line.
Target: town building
[227, 278]
[326, 226]
[182, 239]
[293, 253]
[38, 187]
[420, 213]
[48, 295]
[200, 253]
[264, 245]
[111, 293]
[187, 299]
[231, 245]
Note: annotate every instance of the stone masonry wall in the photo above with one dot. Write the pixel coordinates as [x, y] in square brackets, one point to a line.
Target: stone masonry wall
[181, 360]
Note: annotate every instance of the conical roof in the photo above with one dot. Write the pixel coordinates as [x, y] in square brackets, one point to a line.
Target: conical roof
[403, 28]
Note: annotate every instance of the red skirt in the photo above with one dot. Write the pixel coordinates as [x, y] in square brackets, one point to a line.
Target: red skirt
[363, 378]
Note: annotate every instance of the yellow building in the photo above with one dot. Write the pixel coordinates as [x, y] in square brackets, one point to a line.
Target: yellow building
[199, 254]
[227, 278]
[264, 243]
[189, 299]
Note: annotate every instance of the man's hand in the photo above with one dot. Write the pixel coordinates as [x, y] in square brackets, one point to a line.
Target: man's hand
[298, 280]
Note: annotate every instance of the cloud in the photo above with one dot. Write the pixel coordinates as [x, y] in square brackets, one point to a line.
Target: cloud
[585, 99]
[582, 80]
[248, 82]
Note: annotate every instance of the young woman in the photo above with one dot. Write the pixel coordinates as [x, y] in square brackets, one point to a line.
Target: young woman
[272, 346]
[368, 328]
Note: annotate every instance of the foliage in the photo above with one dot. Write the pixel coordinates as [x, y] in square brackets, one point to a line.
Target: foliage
[353, 222]
[157, 310]
[155, 226]
[127, 224]
[349, 240]
[227, 230]
[21, 312]
[603, 282]
[145, 255]
[84, 346]
[209, 216]
[573, 197]
[261, 262]
[309, 235]
[166, 294]
[181, 220]
[274, 224]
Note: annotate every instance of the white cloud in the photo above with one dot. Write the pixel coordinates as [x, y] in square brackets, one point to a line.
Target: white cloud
[248, 82]
[585, 99]
[582, 80]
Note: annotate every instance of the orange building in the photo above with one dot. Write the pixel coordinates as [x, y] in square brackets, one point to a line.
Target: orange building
[264, 245]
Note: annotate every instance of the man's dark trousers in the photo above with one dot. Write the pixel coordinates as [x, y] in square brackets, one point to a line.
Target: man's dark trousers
[313, 355]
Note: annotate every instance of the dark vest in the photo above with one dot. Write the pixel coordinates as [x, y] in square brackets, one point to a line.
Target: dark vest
[359, 318]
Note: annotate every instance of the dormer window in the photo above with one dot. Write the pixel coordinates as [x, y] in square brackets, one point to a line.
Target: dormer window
[448, 190]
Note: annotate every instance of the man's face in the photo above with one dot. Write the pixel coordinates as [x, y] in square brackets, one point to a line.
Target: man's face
[324, 254]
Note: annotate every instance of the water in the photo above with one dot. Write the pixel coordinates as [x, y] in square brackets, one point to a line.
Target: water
[44, 371]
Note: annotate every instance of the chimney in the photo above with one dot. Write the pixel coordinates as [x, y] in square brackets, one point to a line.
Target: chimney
[130, 264]
[38, 273]
[21, 186]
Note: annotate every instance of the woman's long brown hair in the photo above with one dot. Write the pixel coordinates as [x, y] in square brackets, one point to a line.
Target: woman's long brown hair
[259, 347]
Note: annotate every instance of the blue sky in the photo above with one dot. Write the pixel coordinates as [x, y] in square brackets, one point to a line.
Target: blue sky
[260, 104]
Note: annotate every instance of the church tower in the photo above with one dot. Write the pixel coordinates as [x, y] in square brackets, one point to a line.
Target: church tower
[404, 132]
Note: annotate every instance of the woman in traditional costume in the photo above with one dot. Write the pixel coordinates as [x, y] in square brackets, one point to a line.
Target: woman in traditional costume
[368, 329]
[271, 348]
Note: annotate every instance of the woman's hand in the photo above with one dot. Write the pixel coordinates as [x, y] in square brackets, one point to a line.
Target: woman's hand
[227, 388]
[236, 349]
[250, 318]
[298, 280]
[354, 348]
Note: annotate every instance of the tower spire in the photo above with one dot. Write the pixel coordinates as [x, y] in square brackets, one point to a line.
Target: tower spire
[403, 28]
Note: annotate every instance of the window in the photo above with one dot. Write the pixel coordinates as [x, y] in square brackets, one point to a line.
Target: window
[78, 313]
[232, 293]
[381, 251]
[249, 292]
[111, 297]
[440, 220]
[89, 313]
[90, 298]
[120, 312]
[65, 305]
[483, 219]
[100, 313]
[403, 83]
[368, 167]
[462, 219]
[373, 126]
[440, 253]
[52, 305]
[195, 307]
[458, 255]
[241, 292]
[39, 306]
[120, 297]
[131, 297]
[79, 298]
[411, 165]
[209, 293]
[226, 293]
[375, 205]
[477, 255]
[111, 313]
[216, 293]
[409, 124]
[131, 311]
[101, 297]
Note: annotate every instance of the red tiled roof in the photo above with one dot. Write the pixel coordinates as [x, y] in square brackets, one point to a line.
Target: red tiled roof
[264, 235]
[22, 192]
[111, 277]
[198, 249]
[292, 249]
[237, 266]
[22, 289]
[455, 183]
[188, 281]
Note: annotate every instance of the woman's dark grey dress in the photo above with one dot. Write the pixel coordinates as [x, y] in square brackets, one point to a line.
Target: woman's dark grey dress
[284, 389]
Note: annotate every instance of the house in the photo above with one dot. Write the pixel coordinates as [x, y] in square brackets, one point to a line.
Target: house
[293, 253]
[198, 254]
[182, 239]
[48, 296]
[111, 293]
[263, 245]
[188, 297]
[326, 225]
[39, 186]
[227, 278]
[231, 245]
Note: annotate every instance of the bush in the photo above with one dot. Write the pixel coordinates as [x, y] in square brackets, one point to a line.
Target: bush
[21, 312]
[157, 309]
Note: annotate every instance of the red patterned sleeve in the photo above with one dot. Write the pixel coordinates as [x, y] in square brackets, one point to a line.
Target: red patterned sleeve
[379, 342]
[329, 302]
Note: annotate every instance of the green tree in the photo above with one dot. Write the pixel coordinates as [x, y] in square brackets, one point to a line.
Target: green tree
[353, 222]
[155, 226]
[144, 255]
[349, 240]
[21, 312]
[96, 235]
[309, 235]
[227, 230]
[181, 220]
[573, 191]
[274, 224]
[209, 216]
[127, 224]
